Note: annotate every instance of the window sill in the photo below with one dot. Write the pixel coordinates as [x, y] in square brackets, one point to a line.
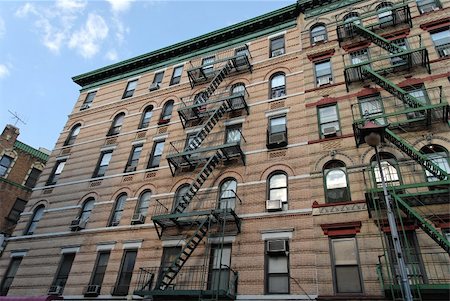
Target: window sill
[317, 205]
[163, 121]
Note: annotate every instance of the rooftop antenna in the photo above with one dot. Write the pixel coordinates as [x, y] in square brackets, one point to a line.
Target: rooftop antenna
[16, 117]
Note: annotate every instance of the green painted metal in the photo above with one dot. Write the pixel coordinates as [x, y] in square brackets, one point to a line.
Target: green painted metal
[315, 7]
[15, 184]
[31, 150]
[377, 39]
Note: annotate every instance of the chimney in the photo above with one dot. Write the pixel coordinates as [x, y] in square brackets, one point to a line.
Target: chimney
[9, 136]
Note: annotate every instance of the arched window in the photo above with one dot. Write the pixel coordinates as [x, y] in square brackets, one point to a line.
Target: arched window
[277, 85]
[318, 34]
[179, 194]
[237, 88]
[227, 194]
[336, 183]
[389, 168]
[118, 210]
[116, 125]
[385, 17]
[439, 156]
[86, 210]
[37, 215]
[278, 188]
[143, 203]
[73, 134]
[146, 116]
[349, 19]
[166, 112]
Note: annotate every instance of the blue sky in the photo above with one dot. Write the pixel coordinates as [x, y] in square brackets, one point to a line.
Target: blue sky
[44, 43]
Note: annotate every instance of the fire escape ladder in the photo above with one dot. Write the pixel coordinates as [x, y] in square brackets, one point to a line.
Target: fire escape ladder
[376, 39]
[416, 155]
[423, 224]
[207, 169]
[218, 79]
[171, 272]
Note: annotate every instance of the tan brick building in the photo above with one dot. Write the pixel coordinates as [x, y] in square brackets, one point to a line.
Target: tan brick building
[229, 166]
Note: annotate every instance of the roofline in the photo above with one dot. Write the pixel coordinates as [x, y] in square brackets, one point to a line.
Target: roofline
[204, 41]
[31, 150]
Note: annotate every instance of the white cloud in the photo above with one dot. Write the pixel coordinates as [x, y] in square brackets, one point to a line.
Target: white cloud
[26, 9]
[71, 5]
[118, 6]
[112, 55]
[87, 39]
[2, 27]
[4, 71]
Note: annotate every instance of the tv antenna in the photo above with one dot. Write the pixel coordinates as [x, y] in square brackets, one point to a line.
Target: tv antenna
[16, 117]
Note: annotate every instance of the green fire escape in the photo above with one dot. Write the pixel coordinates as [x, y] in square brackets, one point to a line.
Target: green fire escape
[403, 112]
[195, 214]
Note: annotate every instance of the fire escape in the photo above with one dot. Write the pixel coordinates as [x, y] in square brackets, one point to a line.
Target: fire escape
[201, 215]
[420, 196]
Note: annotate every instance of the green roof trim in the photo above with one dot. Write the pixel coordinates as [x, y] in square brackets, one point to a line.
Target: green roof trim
[31, 150]
[188, 47]
[15, 184]
[312, 8]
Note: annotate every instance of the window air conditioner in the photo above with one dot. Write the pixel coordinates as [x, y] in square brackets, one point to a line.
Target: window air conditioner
[274, 205]
[55, 290]
[277, 52]
[138, 218]
[319, 38]
[154, 86]
[446, 51]
[329, 131]
[92, 290]
[277, 138]
[278, 93]
[77, 224]
[276, 246]
[85, 106]
[323, 80]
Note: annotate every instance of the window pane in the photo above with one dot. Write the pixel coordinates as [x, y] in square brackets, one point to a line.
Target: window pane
[328, 114]
[344, 251]
[441, 38]
[158, 77]
[278, 284]
[278, 264]
[323, 69]
[144, 202]
[347, 279]
[278, 180]
[278, 81]
[440, 159]
[105, 159]
[159, 148]
[278, 194]
[233, 135]
[336, 179]
[226, 257]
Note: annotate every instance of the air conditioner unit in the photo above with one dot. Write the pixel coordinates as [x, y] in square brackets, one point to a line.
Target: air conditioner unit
[329, 131]
[154, 86]
[85, 106]
[55, 290]
[276, 246]
[92, 290]
[323, 80]
[277, 52]
[278, 93]
[277, 138]
[138, 218]
[319, 38]
[446, 51]
[274, 205]
[77, 224]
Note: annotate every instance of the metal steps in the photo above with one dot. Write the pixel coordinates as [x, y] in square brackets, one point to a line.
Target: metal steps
[376, 39]
[423, 224]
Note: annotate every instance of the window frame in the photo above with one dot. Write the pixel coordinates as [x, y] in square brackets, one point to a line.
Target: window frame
[272, 43]
[88, 100]
[151, 163]
[13, 265]
[176, 79]
[21, 204]
[212, 270]
[166, 115]
[145, 120]
[269, 189]
[358, 54]
[133, 162]
[278, 91]
[383, 8]
[442, 50]
[393, 162]
[95, 271]
[140, 200]
[422, 11]
[54, 176]
[63, 277]
[71, 138]
[156, 79]
[116, 290]
[376, 97]
[330, 75]
[118, 209]
[327, 168]
[428, 176]
[313, 34]
[129, 92]
[177, 197]
[338, 120]
[98, 167]
[233, 128]
[32, 179]
[6, 168]
[208, 69]
[116, 127]
[32, 224]
[83, 209]
[221, 200]
[266, 268]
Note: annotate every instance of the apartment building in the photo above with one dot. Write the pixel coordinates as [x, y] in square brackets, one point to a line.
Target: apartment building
[234, 166]
[20, 167]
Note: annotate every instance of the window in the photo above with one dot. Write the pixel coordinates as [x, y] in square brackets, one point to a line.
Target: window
[157, 80]
[143, 203]
[208, 65]
[9, 275]
[219, 267]
[277, 267]
[16, 210]
[65, 266]
[166, 112]
[233, 133]
[168, 257]
[277, 46]
[129, 91]
[5, 163]
[237, 88]
[277, 132]
[426, 6]
[359, 57]
[116, 125]
[318, 34]
[155, 157]
[102, 164]
[350, 19]
[134, 158]
[385, 17]
[398, 60]
[389, 168]
[372, 106]
[345, 262]
[179, 196]
[146, 116]
[100, 268]
[33, 177]
[323, 73]
[118, 210]
[277, 85]
[125, 273]
[278, 188]
[56, 172]
[329, 121]
[242, 56]
[420, 94]
[227, 194]
[336, 183]
[441, 40]
[88, 101]
[200, 102]
[73, 135]
[86, 210]
[439, 156]
[176, 75]
[37, 215]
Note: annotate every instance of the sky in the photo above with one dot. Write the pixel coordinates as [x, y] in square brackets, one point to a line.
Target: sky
[43, 44]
